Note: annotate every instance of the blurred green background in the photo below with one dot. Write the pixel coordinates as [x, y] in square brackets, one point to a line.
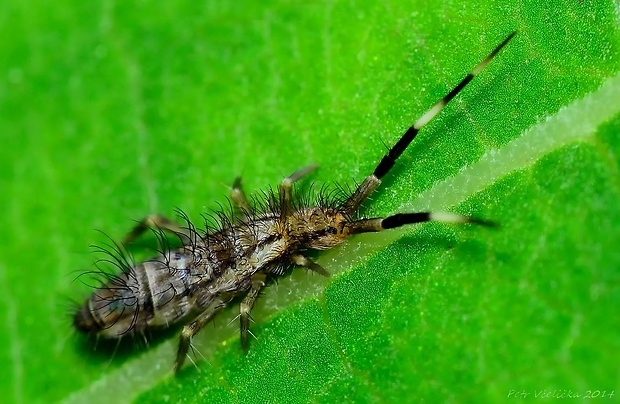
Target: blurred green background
[112, 110]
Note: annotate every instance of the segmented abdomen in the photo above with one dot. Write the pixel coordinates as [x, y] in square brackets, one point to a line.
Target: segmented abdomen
[155, 293]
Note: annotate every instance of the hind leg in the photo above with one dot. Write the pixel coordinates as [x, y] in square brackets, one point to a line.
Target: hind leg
[240, 201]
[190, 330]
[258, 282]
[157, 221]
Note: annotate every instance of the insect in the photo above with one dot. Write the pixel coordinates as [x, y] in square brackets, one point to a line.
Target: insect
[191, 284]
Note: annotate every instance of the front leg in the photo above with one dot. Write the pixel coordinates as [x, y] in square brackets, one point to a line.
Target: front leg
[306, 262]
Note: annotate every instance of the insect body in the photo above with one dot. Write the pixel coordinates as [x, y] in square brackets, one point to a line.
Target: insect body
[192, 283]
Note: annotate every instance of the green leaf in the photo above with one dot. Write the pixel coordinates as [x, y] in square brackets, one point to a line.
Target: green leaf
[112, 111]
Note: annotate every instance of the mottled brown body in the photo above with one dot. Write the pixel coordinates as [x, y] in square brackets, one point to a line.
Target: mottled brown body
[191, 284]
[179, 284]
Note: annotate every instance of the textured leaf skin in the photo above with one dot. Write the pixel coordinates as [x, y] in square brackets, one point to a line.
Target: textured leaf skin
[111, 111]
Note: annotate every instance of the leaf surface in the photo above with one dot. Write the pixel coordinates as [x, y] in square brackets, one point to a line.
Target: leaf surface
[112, 111]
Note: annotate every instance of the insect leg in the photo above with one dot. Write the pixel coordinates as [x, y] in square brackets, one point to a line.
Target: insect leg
[194, 328]
[285, 189]
[239, 199]
[401, 219]
[311, 265]
[258, 281]
[157, 221]
[373, 181]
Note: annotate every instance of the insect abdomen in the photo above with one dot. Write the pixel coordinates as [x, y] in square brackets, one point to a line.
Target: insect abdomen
[154, 293]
